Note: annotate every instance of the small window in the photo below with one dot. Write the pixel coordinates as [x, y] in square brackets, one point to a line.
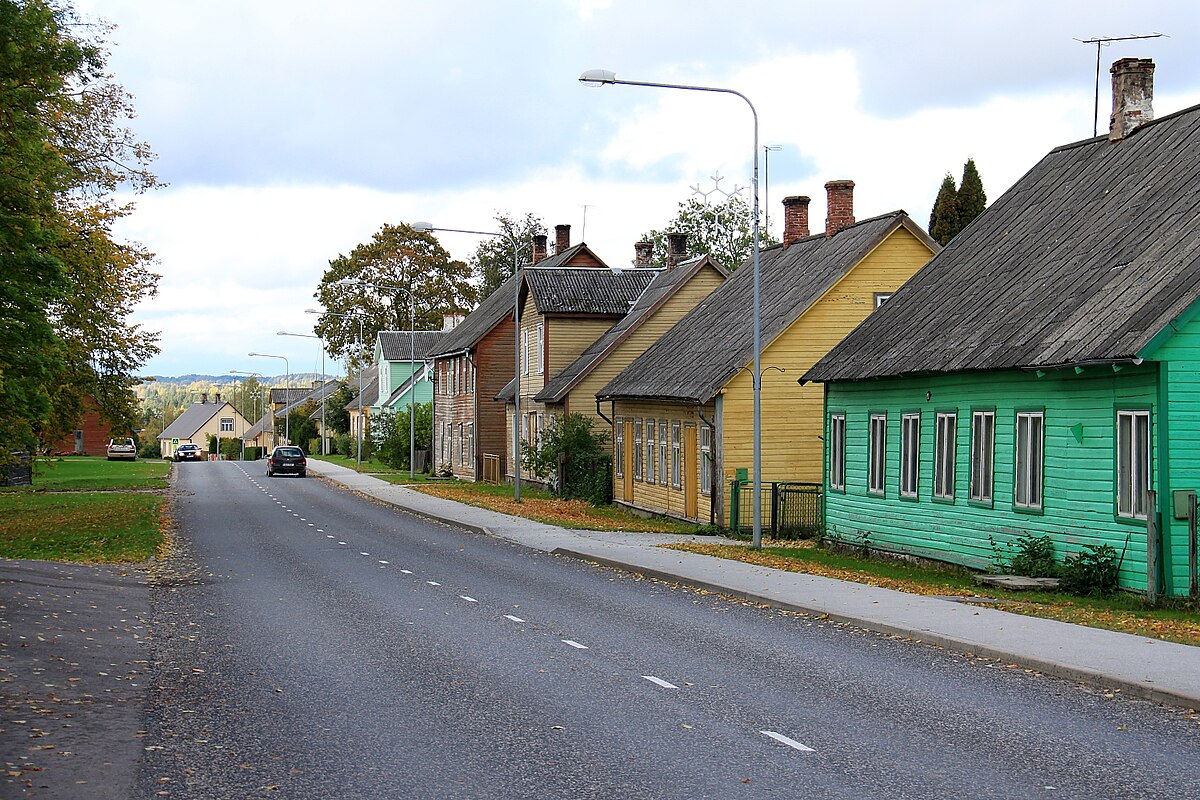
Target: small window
[983, 447]
[226, 424]
[945, 455]
[637, 449]
[525, 351]
[1030, 460]
[541, 350]
[877, 454]
[649, 451]
[881, 298]
[470, 444]
[676, 453]
[1133, 464]
[619, 444]
[910, 454]
[662, 452]
[837, 452]
[706, 460]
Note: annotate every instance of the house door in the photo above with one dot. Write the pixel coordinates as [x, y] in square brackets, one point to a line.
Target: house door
[691, 475]
[78, 442]
[627, 457]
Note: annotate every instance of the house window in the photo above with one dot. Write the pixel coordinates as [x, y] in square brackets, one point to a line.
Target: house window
[910, 454]
[881, 298]
[524, 429]
[540, 421]
[944, 455]
[1029, 459]
[462, 444]
[619, 444]
[1133, 464]
[525, 351]
[541, 351]
[983, 446]
[226, 424]
[876, 453]
[705, 460]
[675, 455]
[662, 452]
[837, 452]
[637, 449]
[649, 451]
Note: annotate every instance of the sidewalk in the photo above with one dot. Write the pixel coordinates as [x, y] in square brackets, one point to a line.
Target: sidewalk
[1141, 667]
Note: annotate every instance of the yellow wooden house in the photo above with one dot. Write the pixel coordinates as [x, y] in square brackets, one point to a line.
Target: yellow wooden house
[683, 410]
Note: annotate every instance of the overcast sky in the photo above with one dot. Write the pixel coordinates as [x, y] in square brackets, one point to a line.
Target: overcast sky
[290, 131]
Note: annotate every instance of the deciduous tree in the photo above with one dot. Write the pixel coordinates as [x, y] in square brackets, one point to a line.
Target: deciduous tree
[722, 230]
[492, 260]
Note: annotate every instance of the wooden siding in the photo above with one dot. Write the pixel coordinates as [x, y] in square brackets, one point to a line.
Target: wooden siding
[568, 337]
[533, 382]
[1079, 481]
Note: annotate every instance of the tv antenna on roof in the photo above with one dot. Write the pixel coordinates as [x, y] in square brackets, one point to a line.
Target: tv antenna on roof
[1105, 41]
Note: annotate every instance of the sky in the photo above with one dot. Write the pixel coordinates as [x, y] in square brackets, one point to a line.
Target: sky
[290, 131]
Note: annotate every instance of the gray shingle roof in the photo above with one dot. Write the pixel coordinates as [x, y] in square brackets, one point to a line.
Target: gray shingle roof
[328, 389]
[397, 344]
[289, 394]
[192, 419]
[586, 290]
[661, 288]
[705, 349]
[1088, 256]
[370, 384]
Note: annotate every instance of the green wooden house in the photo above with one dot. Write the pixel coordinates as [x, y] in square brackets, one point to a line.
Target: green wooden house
[1042, 373]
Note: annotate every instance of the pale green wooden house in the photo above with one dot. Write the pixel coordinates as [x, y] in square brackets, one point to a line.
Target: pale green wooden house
[1041, 374]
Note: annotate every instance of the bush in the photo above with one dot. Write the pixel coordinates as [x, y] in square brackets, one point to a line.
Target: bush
[149, 449]
[314, 446]
[253, 453]
[573, 458]
[390, 434]
[212, 443]
[1093, 570]
[231, 448]
[1034, 557]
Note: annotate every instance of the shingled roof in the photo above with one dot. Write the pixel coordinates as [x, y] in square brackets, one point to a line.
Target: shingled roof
[661, 288]
[705, 349]
[193, 419]
[586, 290]
[397, 344]
[496, 307]
[370, 390]
[1086, 258]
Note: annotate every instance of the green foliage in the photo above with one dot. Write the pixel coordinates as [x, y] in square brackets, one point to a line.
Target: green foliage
[230, 448]
[299, 424]
[573, 457]
[943, 222]
[1092, 571]
[396, 256]
[344, 445]
[972, 200]
[390, 433]
[149, 449]
[253, 453]
[212, 443]
[336, 415]
[492, 260]
[1031, 556]
[721, 230]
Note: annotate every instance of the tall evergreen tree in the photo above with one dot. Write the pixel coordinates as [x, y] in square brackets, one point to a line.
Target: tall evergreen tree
[943, 222]
[971, 198]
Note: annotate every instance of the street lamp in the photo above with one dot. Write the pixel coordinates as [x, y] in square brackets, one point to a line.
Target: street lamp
[322, 341]
[412, 360]
[603, 77]
[287, 430]
[359, 317]
[259, 398]
[428, 227]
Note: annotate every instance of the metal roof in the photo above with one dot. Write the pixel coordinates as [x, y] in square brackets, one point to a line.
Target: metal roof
[1086, 258]
[396, 345]
[496, 307]
[705, 349]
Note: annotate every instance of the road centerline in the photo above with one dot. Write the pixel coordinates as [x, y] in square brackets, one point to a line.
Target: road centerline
[779, 737]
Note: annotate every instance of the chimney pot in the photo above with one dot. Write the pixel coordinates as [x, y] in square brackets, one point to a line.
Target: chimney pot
[1133, 96]
[795, 219]
[562, 238]
[840, 210]
[217, 397]
[643, 253]
[539, 248]
[204, 398]
[676, 249]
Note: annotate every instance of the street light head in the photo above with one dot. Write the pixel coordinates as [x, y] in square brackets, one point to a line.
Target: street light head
[422, 227]
[313, 311]
[252, 354]
[282, 333]
[597, 77]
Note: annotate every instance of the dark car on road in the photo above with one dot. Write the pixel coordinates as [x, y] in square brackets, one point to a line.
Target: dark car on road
[189, 452]
[285, 459]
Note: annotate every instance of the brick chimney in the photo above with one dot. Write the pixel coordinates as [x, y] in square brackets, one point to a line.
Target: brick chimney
[643, 253]
[676, 249]
[795, 219]
[1132, 96]
[217, 397]
[450, 321]
[539, 248]
[840, 212]
[562, 238]
[204, 398]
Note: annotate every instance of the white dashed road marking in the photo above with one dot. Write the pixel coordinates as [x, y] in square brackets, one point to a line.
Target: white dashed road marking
[433, 583]
[364, 554]
[407, 571]
[660, 682]
[468, 599]
[514, 619]
[383, 562]
[779, 737]
[575, 644]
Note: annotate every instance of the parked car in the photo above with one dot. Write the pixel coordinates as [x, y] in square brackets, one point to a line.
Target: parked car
[285, 459]
[121, 448]
[189, 452]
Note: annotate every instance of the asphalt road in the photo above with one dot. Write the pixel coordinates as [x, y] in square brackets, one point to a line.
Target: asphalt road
[307, 643]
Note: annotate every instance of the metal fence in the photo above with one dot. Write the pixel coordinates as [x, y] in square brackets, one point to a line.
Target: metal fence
[790, 509]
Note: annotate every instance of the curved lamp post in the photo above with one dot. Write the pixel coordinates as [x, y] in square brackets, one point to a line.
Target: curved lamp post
[359, 317]
[603, 77]
[287, 430]
[322, 341]
[427, 227]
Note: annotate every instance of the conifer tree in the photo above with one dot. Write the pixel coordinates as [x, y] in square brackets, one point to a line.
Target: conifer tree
[971, 198]
[943, 222]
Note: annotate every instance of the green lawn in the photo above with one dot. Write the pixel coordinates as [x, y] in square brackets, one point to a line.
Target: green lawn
[83, 474]
[98, 528]
[373, 467]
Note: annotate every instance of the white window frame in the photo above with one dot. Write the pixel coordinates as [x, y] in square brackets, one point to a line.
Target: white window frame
[541, 348]
[881, 298]
[983, 455]
[648, 440]
[663, 452]
[1029, 460]
[525, 351]
[837, 452]
[910, 455]
[945, 455]
[1134, 453]
[226, 424]
[470, 444]
[638, 453]
[706, 460]
[877, 455]
[619, 446]
[676, 454]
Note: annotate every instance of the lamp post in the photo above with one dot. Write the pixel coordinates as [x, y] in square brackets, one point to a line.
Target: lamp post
[603, 77]
[322, 341]
[359, 317]
[427, 227]
[287, 430]
[259, 399]
[412, 361]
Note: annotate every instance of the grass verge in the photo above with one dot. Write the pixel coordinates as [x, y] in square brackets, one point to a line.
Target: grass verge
[367, 466]
[93, 474]
[1121, 612]
[81, 527]
[541, 506]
